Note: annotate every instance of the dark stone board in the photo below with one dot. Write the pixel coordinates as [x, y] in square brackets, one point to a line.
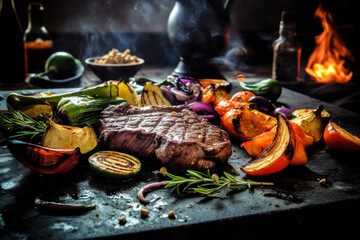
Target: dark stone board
[296, 206]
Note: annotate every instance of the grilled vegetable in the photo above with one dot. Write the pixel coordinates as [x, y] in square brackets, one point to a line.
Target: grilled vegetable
[223, 84]
[114, 165]
[278, 154]
[44, 160]
[67, 137]
[19, 101]
[243, 123]
[285, 111]
[338, 138]
[312, 124]
[242, 96]
[220, 94]
[79, 111]
[257, 145]
[206, 111]
[325, 115]
[152, 95]
[268, 88]
[128, 93]
[59, 206]
[263, 105]
[208, 95]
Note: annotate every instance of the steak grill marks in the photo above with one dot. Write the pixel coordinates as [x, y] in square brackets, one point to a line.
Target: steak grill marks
[175, 135]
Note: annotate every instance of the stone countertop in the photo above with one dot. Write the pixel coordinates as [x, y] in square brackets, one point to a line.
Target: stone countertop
[297, 205]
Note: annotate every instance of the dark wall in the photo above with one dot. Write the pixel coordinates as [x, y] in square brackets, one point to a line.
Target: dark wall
[93, 27]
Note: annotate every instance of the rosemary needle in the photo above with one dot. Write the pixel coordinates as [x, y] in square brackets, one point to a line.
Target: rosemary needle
[207, 184]
[18, 125]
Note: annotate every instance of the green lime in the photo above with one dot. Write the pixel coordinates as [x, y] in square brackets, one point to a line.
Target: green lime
[61, 65]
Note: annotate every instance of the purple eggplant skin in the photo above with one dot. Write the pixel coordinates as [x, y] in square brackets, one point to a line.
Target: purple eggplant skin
[263, 105]
[42, 159]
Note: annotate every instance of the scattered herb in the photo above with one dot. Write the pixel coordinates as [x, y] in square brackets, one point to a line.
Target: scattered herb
[17, 125]
[207, 184]
[201, 183]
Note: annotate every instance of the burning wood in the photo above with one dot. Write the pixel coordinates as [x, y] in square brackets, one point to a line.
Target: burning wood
[327, 62]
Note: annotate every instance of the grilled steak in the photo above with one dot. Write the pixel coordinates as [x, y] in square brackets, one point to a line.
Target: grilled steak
[175, 135]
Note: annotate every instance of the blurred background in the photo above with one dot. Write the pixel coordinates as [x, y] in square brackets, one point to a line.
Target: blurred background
[93, 27]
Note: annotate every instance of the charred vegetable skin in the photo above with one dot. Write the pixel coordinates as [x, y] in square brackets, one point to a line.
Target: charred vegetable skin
[278, 154]
[312, 123]
[246, 123]
[44, 160]
[115, 165]
[57, 206]
[152, 95]
[19, 101]
[339, 139]
[69, 137]
[83, 110]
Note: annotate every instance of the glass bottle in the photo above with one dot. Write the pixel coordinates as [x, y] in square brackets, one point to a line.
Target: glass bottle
[11, 45]
[287, 50]
[37, 40]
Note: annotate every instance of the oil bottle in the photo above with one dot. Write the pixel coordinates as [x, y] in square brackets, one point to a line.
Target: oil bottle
[37, 40]
[287, 50]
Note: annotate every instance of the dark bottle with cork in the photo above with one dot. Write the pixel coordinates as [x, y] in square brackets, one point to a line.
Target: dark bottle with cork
[287, 50]
[37, 40]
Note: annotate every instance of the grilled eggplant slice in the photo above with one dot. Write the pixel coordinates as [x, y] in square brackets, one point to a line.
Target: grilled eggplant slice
[152, 95]
[116, 165]
[278, 154]
[44, 160]
[68, 137]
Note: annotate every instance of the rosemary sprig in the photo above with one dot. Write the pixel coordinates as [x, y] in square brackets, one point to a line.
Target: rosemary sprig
[207, 184]
[18, 125]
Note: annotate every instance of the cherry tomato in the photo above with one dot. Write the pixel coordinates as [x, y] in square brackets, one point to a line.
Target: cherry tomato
[242, 96]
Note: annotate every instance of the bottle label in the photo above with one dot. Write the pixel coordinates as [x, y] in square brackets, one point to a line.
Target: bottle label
[286, 66]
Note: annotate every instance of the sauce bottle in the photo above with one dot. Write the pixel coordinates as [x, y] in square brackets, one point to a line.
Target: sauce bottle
[37, 40]
[11, 45]
[287, 50]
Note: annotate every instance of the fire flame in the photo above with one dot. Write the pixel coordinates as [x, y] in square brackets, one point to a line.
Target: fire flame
[326, 63]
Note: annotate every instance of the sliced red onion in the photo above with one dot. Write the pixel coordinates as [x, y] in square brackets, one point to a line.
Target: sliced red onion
[206, 111]
[285, 111]
[263, 105]
[166, 91]
[140, 193]
[180, 95]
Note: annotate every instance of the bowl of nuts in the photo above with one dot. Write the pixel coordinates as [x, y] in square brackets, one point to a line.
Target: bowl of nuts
[115, 65]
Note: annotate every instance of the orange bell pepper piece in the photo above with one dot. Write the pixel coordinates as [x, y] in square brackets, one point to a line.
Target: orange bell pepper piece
[208, 96]
[306, 139]
[278, 154]
[257, 145]
[338, 138]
